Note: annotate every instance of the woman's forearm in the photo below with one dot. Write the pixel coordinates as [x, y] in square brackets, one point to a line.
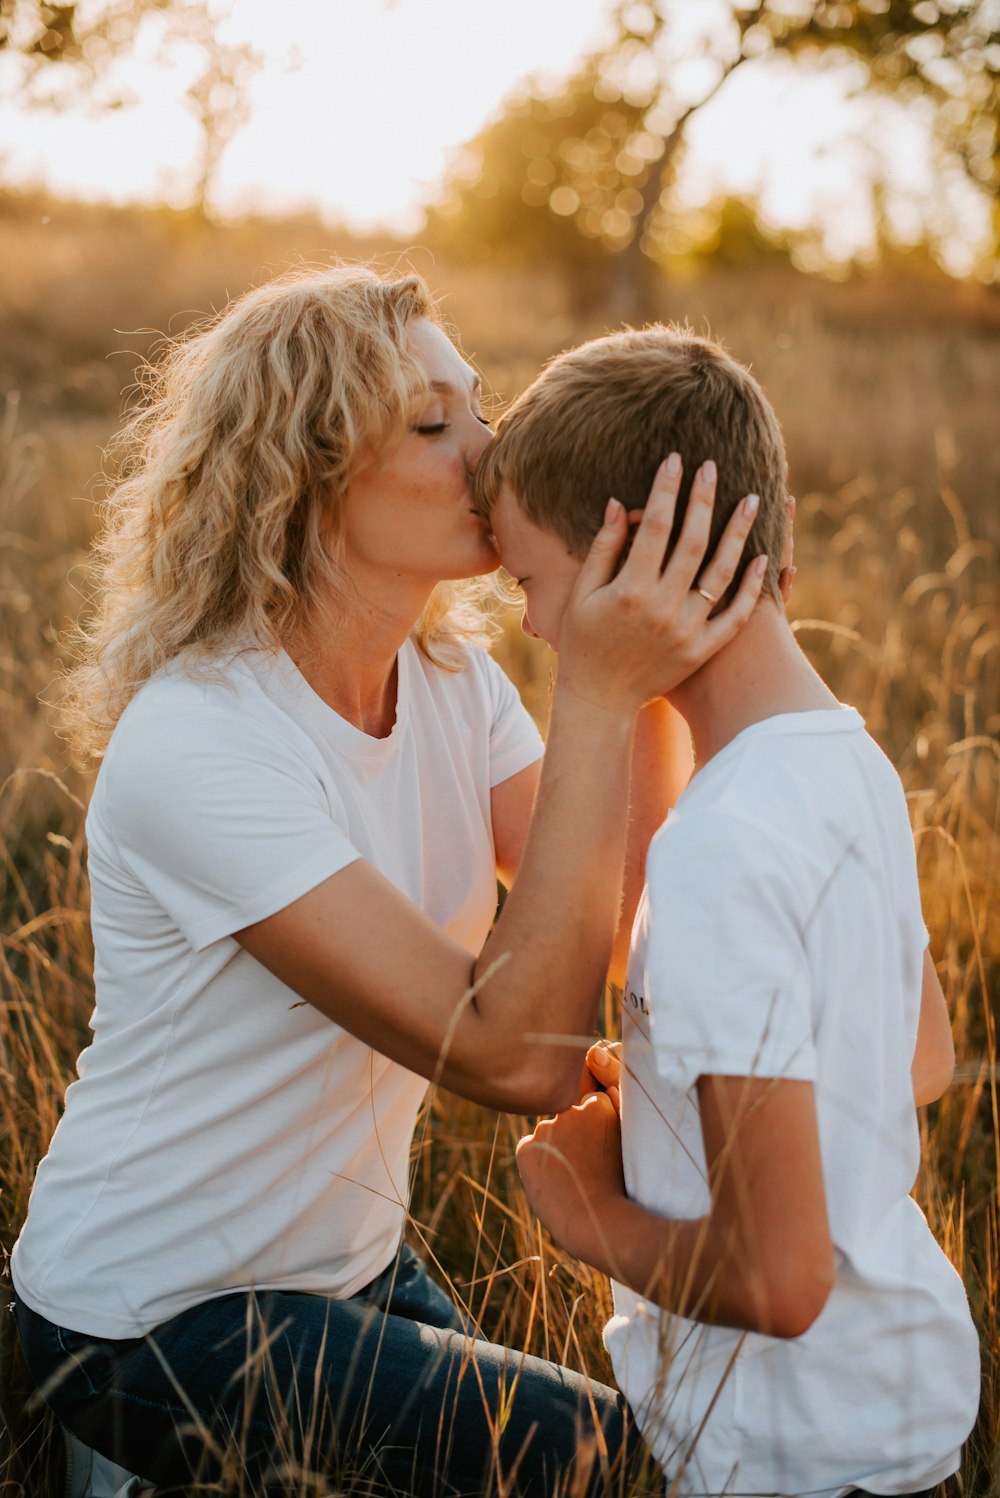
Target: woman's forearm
[542, 969]
[508, 1028]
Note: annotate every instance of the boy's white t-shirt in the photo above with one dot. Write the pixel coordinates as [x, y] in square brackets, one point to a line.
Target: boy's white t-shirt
[222, 1133]
[780, 935]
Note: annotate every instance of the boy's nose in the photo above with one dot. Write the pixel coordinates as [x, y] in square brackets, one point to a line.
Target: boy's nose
[526, 626]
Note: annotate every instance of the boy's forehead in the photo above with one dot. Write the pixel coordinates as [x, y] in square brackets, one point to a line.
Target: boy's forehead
[528, 550]
[516, 536]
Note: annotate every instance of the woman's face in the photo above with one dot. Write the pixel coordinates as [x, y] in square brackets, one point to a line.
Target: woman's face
[409, 515]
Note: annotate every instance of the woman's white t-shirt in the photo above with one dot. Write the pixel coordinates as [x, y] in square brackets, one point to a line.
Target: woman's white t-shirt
[223, 1134]
[780, 935]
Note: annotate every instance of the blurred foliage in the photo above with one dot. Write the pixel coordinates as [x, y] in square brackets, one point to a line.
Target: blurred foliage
[219, 96]
[68, 51]
[585, 171]
[87, 37]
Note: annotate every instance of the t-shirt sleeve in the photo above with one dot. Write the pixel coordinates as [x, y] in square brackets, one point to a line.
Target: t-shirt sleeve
[726, 972]
[515, 742]
[219, 815]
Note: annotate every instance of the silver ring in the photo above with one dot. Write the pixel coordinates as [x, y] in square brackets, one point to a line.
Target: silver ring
[707, 596]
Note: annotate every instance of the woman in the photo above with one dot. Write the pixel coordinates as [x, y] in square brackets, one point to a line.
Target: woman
[312, 776]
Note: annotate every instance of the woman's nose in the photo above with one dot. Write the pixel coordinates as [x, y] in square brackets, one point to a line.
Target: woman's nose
[479, 440]
[526, 626]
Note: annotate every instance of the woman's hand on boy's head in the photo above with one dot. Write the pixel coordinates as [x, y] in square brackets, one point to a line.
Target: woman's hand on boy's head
[571, 1166]
[634, 635]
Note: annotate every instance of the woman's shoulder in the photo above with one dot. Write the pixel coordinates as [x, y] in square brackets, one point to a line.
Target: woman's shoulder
[211, 706]
[470, 671]
[193, 741]
[229, 682]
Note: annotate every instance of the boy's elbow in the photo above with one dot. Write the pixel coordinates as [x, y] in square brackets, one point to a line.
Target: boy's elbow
[794, 1315]
[797, 1299]
[932, 1086]
[932, 1078]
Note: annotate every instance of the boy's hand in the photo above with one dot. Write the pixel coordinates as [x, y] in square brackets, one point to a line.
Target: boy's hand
[631, 636]
[602, 1072]
[572, 1171]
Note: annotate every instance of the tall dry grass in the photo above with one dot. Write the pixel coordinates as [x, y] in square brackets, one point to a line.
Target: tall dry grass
[896, 603]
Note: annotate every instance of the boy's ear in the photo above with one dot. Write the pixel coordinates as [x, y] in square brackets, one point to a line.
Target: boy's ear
[786, 576]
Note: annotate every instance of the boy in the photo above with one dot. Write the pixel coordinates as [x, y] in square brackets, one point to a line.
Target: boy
[785, 1322]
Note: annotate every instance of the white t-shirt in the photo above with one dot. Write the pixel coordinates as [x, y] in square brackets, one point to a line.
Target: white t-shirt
[223, 1134]
[780, 935]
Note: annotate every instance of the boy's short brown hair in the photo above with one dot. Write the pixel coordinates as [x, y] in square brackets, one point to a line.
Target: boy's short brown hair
[599, 420]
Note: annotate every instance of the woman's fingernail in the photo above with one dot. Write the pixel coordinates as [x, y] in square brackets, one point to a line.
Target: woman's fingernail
[708, 471]
[599, 1056]
[611, 511]
[751, 505]
[760, 566]
[674, 464]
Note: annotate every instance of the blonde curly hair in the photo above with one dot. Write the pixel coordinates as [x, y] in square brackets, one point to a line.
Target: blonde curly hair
[244, 443]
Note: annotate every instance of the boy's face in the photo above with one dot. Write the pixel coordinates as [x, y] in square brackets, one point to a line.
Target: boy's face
[540, 562]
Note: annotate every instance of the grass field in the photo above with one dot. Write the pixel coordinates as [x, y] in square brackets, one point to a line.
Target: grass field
[887, 390]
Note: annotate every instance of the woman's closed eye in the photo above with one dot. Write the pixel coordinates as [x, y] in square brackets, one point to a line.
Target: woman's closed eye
[434, 428]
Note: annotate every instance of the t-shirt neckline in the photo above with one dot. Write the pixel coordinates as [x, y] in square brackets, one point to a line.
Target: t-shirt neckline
[844, 718]
[348, 738]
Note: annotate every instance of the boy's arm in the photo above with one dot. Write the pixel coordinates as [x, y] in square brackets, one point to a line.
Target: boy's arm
[761, 1259]
[662, 761]
[934, 1053]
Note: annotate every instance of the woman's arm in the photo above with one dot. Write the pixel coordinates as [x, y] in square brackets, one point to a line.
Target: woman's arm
[509, 1027]
[760, 1260]
[375, 963]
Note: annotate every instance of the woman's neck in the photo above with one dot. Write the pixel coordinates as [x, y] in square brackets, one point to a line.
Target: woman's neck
[348, 657]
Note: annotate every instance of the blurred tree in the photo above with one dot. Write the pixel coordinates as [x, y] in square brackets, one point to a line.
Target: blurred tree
[84, 37]
[585, 172]
[219, 96]
[68, 50]
[728, 233]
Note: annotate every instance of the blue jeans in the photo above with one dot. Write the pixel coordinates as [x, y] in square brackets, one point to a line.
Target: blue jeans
[383, 1391]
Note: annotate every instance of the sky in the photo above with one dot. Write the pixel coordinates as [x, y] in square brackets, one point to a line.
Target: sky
[361, 103]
